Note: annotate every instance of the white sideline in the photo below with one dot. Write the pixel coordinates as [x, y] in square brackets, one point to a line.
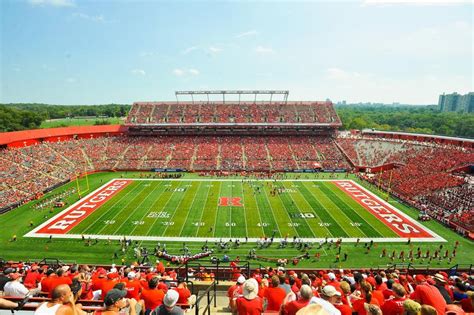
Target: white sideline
[33, 233]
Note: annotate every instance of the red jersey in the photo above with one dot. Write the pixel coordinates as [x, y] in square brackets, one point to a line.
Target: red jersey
[274, 298]
[428, 294]
[153, 298]
[133, 288]
[184, 294]
[344, 309]
[249, 307]
[393, 306]
[292, 307]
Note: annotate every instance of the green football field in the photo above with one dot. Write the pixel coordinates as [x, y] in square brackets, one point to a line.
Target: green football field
[302, 205]
[307, 209]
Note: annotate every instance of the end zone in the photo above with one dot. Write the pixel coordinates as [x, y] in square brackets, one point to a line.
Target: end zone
[405, 226]
[64, 221]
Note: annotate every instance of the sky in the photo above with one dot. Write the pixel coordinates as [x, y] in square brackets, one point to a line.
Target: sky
[98, 52]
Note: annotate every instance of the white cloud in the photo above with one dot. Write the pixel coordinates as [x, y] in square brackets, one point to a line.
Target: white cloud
[95, 18]
[189, 49]
[178, 72]
[246, 34]
[71, 80]
[215, 50]
[54, 3]
[185, 72]
[138, 72]
[264, 50]
[413, 2]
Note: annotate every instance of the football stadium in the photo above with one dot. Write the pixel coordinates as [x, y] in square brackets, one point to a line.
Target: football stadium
[211, 192]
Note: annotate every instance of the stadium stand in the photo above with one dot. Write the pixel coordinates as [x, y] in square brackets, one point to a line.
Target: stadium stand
[280, 290]
[243, 113]
[157, 136]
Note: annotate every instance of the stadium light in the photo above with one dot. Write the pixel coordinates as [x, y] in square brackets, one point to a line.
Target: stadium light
[234, 92]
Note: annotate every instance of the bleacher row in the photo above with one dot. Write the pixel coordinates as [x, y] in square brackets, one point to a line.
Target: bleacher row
[30, 170]
[206, 113]
[424, 178]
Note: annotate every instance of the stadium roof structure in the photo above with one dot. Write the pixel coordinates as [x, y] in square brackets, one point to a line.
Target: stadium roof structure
[285, 93]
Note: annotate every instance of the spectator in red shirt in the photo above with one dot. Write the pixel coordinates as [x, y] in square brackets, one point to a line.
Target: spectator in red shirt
[428, 294]
[133, 286]
[467, 304]
[274, 295]
[46, 282]
[291, 308]
[184, 293]
[249, 303]
[33, 277]
[394, 306]
[235, 291]
[153, 296]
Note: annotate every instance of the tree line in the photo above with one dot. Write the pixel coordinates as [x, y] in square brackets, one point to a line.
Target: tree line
[418, 119]
[15, 117]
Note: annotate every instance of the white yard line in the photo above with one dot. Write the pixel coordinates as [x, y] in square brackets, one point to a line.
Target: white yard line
[190, 209]
[203, 210]
[216, 239]
[435, 238]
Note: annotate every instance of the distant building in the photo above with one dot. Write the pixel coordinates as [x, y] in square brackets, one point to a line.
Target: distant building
[456, 102]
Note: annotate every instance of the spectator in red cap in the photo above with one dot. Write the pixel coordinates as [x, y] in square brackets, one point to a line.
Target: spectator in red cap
[394, 306]
[16, 288]
[428, 294]
[274, 295]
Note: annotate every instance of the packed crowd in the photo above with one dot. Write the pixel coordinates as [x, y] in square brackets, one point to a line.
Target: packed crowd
[154, 290]
[346, 292]
[273, 290]
[31, 170]
[300, 112]
[376, 152]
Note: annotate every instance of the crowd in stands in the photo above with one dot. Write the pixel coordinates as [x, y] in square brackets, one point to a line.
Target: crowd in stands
[424, 178]
[148, 291]
[30, 170]
[300, 112]
[376, 152]
[267, 290]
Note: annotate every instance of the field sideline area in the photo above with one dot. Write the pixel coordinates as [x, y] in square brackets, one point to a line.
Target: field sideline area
[208, 209]
[200, 200]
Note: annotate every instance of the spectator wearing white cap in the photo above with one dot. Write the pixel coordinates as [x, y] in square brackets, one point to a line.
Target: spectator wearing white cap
[169, 306]
[234, 291]
[249, 303]
[329, 296]
[133, 286]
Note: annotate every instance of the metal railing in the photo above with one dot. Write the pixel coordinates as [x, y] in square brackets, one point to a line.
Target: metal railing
[210, 297]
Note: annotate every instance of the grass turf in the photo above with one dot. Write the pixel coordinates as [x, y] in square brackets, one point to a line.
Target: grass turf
[259, 208]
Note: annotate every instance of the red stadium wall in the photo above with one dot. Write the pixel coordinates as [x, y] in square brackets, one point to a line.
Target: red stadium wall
[31, 137]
